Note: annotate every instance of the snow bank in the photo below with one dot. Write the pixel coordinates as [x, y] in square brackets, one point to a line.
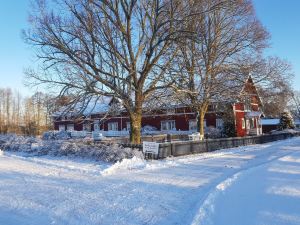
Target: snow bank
[125, 164]
[73, 148]
[291, 131]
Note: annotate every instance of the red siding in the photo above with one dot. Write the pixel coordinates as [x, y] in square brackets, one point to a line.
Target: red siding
[241, 132]
[210, 119]
[239, 106]
[181, 121]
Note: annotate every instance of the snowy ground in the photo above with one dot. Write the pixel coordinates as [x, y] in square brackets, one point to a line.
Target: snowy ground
[247, 185]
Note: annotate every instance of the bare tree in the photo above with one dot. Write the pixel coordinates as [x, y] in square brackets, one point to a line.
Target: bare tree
[119, 48]
[273, 77]
[222, 36]
[24, 115]
[294, 105]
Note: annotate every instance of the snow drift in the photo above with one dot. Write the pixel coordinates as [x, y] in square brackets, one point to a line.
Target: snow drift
[74, 148]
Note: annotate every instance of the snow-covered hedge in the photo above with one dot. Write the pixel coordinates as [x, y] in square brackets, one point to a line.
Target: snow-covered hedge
[213, 132]
[56, 135]
[77, 148]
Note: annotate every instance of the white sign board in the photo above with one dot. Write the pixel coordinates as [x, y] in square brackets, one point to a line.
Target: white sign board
[150, 147]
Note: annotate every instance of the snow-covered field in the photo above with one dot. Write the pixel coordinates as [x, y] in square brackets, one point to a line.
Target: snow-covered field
[248, 185]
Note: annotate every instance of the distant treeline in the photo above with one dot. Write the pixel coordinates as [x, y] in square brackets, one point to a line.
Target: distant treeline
[25, 115]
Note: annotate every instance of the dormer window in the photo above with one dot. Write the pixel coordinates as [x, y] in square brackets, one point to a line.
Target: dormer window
[170, 111]
[247, 104]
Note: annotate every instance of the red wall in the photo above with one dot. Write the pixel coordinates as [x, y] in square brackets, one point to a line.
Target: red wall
[181, 121]
[239, 126]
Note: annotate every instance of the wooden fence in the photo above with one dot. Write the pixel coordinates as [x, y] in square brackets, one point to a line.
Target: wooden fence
[180, 148]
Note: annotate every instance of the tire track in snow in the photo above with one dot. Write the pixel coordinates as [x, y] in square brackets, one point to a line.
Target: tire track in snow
[207, 208]
[207, 205]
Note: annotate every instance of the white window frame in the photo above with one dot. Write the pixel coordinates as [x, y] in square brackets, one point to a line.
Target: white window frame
[247, 124]
[252, 123]
[204, 123]
[70, 127]
[193, 123]
[128, 126]
[247, 104]
[170, 125]
[243, 123]
[61, 127]
[96, 125]
[112, 126]
[219, 123]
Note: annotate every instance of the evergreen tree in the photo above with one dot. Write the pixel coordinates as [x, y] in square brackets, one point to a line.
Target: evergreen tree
[229, 129]
[286, 121]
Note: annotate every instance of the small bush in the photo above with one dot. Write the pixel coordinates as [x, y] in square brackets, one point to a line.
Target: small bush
[212, 132]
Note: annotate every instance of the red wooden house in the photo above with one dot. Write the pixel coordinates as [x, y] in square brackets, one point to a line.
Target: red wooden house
[176, 118]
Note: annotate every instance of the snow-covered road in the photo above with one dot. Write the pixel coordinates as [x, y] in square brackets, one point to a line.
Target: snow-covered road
[248, 185]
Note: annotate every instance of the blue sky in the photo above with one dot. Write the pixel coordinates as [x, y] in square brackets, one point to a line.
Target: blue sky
[282, 20]
[14, 54]
[280, 17]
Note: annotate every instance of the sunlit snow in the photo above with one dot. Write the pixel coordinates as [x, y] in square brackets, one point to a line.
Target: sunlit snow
[257, 184]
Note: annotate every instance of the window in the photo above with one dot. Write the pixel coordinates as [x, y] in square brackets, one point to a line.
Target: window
[219, 123]
[193, 125]
[247, 104]
[252, 123]
[168, 125]
[70, 127]
[87, 127]
[96, 125]
[61, 127]
[128, 126]
[243, 123]
[247, 124]
[112, 126]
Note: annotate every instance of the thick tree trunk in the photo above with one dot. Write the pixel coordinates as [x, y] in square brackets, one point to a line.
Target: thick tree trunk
[136, 119]
[202, 111]
[135, 126]
[201, 122]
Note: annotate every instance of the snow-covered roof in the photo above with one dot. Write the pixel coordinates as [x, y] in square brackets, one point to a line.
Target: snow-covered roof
[275, 122]
[94, 105]
[253, 114]
[269, 121]
[97, 105]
